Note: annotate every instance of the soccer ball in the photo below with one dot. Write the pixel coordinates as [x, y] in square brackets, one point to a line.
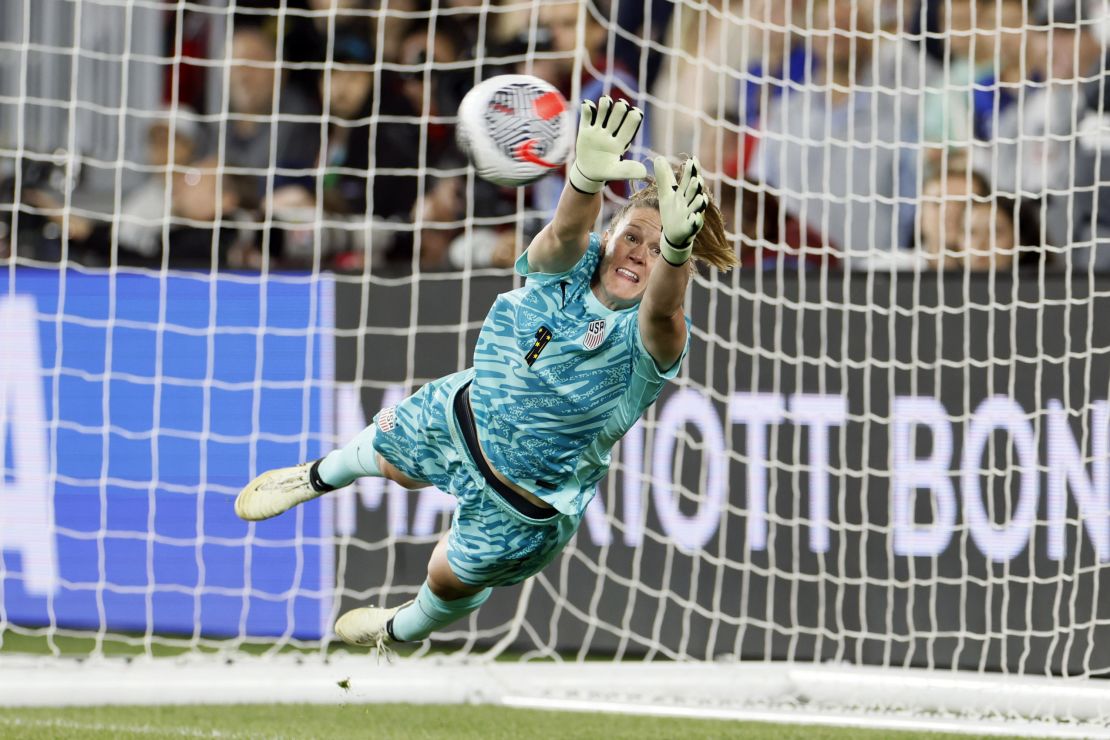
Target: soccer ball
[515, 129]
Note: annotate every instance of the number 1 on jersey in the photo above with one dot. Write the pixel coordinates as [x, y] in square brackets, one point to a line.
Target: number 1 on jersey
[543, 336]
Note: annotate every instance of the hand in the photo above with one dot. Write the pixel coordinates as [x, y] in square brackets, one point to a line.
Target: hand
[605, 132]
[681, 208]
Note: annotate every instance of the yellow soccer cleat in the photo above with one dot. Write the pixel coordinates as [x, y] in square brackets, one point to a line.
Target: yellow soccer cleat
[369, 626]
[277, 491]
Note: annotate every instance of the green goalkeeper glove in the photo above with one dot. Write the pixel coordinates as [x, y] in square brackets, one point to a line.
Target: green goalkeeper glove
[681, 208]
[605, 132]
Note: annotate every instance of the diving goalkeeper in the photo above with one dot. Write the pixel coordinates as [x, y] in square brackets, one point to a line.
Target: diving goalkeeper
[563, 367]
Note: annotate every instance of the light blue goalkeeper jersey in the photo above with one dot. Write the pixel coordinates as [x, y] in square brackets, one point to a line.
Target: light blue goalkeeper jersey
[559, 378]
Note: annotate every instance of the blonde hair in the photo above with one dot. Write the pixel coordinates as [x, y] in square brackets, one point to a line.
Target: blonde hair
[711, 245]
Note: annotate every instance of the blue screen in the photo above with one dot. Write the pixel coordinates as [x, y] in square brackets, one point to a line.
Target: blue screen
[161, 396]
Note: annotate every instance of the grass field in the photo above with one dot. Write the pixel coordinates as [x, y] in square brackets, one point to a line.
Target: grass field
[400, 721]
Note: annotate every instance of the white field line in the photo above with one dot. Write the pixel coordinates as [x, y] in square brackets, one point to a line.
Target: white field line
[156, 730]
[801, 717]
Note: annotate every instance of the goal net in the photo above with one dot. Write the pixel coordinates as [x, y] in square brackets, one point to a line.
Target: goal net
[234, 230]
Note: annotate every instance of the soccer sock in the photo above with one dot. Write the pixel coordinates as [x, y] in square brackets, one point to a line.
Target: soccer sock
[341, 467]
[429, 612]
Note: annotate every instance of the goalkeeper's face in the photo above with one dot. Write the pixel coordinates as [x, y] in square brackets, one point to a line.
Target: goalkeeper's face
[631, 253]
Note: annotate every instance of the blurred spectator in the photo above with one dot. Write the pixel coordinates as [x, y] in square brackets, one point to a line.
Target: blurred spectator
[644, 23]
[395, 20]
[980, 56]
[484, 247]
[47, 230]
[740, 48]
[350, 105]
[186, 38]
[510, 22]
[432, 91]
[1004, 62]
[557, 31]
[204, 200]
[194, 225]
[144, 210]
[380, 146]
[601, 73]
[745, 56]
[949, 72]
[467, 17]
[494, 242]
[555, 37]
[839, 150]
[257, 117]
[1050, 145]
[558, 28]
[559, 18]
[963, 225]
[767, 238]
[307, 37]
[897, 16]
[440, 219]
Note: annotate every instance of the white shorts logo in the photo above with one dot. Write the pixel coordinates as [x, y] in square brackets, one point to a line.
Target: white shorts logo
[387, 418]
[595, 334]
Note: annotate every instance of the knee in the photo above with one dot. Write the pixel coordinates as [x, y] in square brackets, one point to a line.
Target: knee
[441, 588]
[447, 586]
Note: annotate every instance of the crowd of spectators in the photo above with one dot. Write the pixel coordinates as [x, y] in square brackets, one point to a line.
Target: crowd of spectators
[958, 134]
[946, 134]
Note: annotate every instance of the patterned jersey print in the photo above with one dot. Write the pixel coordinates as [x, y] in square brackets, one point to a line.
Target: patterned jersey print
[559, 378]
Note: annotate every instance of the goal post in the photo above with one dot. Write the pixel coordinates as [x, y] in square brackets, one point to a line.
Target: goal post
[879, 490]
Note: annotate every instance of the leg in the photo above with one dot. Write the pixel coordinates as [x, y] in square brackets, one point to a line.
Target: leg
[445, 598]
[442, 580]
[277, 491]
[358, 459]
[409, 435]
[486, 545]
[442, 600]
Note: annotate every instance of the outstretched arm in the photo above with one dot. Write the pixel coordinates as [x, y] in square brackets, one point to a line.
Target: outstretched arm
[604, 134]
[682, 211]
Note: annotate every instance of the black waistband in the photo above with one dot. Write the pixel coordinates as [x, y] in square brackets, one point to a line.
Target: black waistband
[470, 438]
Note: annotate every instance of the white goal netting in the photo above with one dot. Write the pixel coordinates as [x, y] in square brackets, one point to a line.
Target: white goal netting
[233, 230]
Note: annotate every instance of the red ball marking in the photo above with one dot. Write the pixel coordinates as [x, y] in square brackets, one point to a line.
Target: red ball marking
[524, 152]
[549, 105]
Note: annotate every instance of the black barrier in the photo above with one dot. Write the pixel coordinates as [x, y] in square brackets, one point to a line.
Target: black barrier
[874, 469]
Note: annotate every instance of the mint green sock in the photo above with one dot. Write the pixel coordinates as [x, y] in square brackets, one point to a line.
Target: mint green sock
[429, 613]
[357, 459]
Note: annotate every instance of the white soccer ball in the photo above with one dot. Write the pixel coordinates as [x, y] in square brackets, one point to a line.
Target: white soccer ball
[515, 129]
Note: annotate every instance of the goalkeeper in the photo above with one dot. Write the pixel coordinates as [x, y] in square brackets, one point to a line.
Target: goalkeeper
[563, 367]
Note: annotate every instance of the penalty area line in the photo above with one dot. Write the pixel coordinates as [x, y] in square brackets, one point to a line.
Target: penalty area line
[963, 727]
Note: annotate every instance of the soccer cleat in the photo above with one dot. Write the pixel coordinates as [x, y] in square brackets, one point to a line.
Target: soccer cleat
[369, 626]
[279, 490]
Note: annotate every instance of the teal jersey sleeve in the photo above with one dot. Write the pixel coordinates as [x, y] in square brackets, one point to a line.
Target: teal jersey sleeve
[559, 378]
[582, 271]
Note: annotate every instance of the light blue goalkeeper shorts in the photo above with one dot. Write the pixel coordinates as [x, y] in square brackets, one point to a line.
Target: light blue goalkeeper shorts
[491, 543]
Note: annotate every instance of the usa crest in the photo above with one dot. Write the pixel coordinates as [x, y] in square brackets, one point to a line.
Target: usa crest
[387, 418]
[595, 334]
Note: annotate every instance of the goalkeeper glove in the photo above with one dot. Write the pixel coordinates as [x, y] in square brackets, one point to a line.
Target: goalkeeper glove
[681, 208]
[605, 132]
